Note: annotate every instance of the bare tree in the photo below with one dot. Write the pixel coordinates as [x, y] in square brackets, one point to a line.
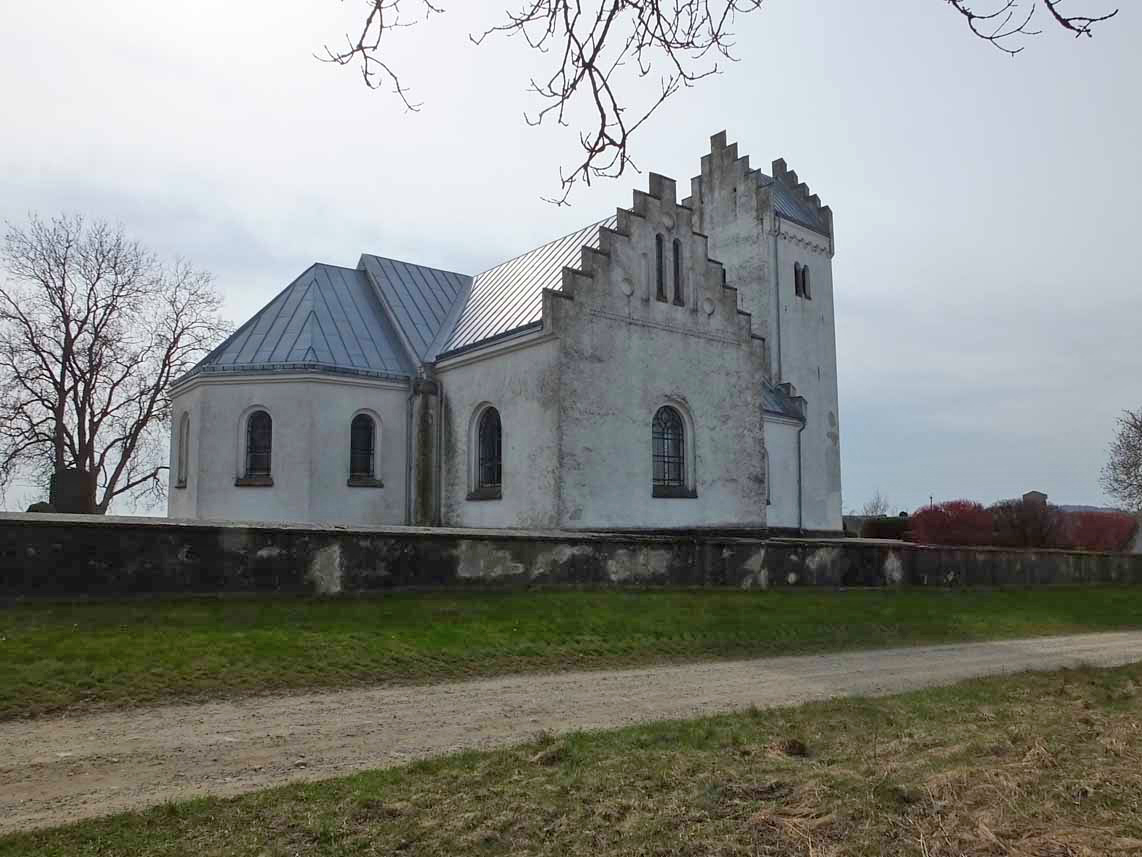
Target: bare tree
[93, 328]
[592, 45]
[877, 506]
[1122, 475]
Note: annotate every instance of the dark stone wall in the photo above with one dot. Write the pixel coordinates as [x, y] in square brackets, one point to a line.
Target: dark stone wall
[65, 556]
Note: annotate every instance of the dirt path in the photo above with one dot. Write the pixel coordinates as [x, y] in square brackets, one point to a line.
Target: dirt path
[57, 770]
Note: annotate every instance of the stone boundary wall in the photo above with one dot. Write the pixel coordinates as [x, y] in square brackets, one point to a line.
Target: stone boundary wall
[70, 556]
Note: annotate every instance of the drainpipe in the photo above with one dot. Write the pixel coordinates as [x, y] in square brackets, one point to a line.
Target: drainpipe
[408, 453]
[777, 290]
[438, 457]
[800, 488]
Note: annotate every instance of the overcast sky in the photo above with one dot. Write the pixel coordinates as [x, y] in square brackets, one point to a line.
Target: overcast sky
[986, 207]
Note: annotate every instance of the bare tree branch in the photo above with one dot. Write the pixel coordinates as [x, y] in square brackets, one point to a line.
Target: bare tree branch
[93, 328]
[1122, 475]
[598, 46]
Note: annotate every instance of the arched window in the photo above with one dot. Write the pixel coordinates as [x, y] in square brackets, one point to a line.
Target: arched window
[489, 445]
[805, 283]
[679, 296]
[660, 266]
[362, 447]
[259, 439]
[668, 441]
[797, 279]
[182, 461]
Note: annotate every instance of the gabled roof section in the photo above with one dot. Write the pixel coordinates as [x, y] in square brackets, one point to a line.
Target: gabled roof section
[329, 319]
[791, 208]
[509, 297]
[421, 300]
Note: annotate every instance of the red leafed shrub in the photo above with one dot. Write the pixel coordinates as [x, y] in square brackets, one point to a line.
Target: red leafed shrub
[955, 522]
[1098, 531]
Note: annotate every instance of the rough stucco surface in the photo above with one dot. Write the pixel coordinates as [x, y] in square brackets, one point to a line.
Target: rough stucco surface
[624, 354]
[523, 385]
[61, 556]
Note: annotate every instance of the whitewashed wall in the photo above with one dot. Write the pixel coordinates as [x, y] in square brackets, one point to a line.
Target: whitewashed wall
[310, 451]
[781, 444]
[759, 251]
[521, 380]
[624, 354]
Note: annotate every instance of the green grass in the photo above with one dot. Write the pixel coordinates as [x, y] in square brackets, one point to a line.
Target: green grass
[73, 657]
[1034, 765]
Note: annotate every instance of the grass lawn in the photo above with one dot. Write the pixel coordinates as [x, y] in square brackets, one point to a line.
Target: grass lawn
[1034, 765]
[70, 657]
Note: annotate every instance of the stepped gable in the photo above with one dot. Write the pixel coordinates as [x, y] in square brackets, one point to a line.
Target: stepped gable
[509, 297]
[327, 320]
[792, 199]
[420, 300]
[658, 202]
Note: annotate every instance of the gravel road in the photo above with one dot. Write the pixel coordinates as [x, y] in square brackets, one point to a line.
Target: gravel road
[57, 770]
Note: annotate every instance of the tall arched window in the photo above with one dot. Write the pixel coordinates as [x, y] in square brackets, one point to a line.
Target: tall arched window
[660, 266]
[797, 279]
[362, 448]
[182, 461]
[668, 441]
[259, 439]
[679, 296]
[805, 283]
[489, 445]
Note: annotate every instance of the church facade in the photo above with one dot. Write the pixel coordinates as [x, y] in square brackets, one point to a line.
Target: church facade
[670, 367]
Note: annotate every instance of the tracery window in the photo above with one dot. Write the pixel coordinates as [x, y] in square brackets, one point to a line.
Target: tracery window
[668, 446]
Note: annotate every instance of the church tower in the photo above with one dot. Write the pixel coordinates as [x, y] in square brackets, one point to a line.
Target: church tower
[775, 239]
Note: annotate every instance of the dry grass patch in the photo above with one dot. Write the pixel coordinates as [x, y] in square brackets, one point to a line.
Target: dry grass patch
[1034, 765]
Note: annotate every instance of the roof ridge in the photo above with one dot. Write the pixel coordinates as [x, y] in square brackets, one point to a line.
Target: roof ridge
[547, 243]
[413, 264]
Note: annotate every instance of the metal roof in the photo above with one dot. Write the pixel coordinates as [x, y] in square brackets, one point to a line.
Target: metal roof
[420, 299]
[509, 296]
[328, 319]
[790, 206]
[776, 401]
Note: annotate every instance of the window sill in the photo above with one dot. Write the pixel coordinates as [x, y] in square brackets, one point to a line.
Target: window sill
[254, 482]
[180, 485]
[364, 482]
[676, 492]
[489, 493]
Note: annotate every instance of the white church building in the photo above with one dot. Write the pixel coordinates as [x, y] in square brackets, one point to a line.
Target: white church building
[672, 366]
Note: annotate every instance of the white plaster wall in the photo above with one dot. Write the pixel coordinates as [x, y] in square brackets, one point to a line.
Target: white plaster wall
[624, 354]
[781, 444]
[310, 451]
[759, 251]
[523, 385]
[809, 362]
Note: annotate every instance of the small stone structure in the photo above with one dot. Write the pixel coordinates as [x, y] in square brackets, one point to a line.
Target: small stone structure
[69, 556]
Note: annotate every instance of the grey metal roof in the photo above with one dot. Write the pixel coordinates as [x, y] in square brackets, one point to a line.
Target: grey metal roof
[790, 206]
[328, 319]
[420, 299]
[777, 402]
[509, 296]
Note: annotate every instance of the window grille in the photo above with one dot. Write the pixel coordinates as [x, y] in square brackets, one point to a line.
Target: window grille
[668, 447]
[362, 447]
[490, 448]
[259, 438]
